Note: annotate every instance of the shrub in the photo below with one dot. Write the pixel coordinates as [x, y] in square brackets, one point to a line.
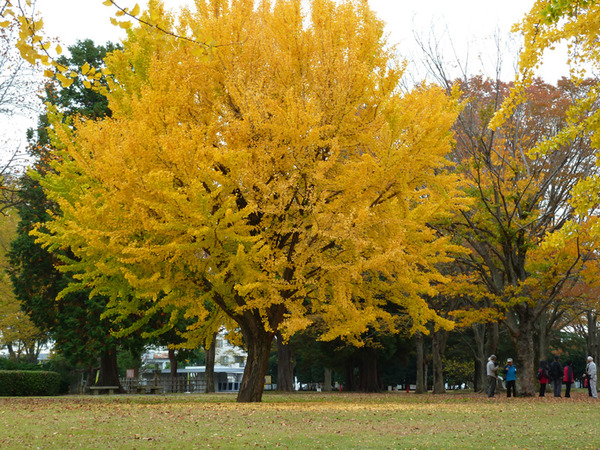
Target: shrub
[26, 382]
[56, 363]
[11, 364]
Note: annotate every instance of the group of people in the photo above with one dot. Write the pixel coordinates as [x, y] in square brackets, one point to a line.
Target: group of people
[556, 373]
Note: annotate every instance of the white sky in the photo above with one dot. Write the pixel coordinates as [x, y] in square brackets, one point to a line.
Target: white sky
[469, 24]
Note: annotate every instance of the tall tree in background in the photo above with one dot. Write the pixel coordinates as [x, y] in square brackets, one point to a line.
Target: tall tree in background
[570, 24]
[522, 190]
[75, 322]
[520, 199]
[276, 174]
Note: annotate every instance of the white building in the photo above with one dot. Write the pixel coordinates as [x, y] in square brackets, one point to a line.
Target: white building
[230, 361]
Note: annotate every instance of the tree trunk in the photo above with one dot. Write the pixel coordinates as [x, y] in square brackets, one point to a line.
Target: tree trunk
[368, 371]
[421, 387]
[11, 351]
[438, 345]
[173, 371]
[285, 367]
[592, 335]
[521, 328]
[327, 381]
[526, 369]
[479, 357]
[349, 377]
[90, 378]
[258, 342]
[426, 373]
[109, 374]
[209, 370]
[543, 352]
[493, 338]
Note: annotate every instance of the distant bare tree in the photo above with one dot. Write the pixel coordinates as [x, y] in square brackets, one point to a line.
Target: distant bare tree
[20, 84]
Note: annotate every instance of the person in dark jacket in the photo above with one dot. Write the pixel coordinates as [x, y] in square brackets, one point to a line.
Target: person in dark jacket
[543, 376]
[568, 377]
[556, 373]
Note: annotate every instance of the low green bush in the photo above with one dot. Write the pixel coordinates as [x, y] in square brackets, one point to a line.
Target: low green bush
[56, 363]
[19, 383]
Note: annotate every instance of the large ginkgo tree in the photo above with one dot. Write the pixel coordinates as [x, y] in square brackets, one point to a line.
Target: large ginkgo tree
[262, 169]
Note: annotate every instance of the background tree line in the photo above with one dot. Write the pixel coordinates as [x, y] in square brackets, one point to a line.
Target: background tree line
[503, 290]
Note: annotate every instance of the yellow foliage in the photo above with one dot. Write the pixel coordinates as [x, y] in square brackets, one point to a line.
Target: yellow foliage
[15, 326]
[576, 24]
[279, 174]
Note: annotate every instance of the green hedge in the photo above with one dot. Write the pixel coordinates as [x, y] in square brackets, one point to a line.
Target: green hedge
[17, 383]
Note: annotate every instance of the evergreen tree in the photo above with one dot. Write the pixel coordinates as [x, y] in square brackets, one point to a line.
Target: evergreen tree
[81, 335]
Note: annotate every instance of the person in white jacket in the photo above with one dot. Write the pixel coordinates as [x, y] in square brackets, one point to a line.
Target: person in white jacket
[592, 376]
[492, 374]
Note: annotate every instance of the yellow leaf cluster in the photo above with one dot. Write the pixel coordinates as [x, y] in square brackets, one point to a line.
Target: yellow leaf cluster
[576, 24]
[35, 48]
[16, 327]
[279, 176]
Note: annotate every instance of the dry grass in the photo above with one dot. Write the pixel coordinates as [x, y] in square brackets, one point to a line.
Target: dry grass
[301, 420]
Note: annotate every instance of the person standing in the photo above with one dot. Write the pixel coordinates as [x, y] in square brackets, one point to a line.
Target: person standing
[543, 376]
[510, 372]
[492, 373]
[568, 377]
[592, 377]
[556, 373]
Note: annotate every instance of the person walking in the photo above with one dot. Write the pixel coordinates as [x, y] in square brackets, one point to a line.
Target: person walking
[492, 374]
[556, 373]
[543, 376]
[592, 377]
[510, 372]
[568, 378]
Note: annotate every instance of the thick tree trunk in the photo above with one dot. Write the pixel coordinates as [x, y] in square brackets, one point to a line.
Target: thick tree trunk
[109, 374]
[521, 328]
[479, 357]
[526, 369]
[592, 335]
[493, 334]
[285, 367]
[258, 343]
[438, 346]
[327, 380]
[421, 387]
[368, 371]
[209, 370]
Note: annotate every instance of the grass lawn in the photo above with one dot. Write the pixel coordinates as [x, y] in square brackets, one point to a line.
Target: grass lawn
[300, 420]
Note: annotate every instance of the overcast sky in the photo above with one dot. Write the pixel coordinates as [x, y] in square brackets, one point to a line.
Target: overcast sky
[469, 24]
[76, 19]
[466, 22]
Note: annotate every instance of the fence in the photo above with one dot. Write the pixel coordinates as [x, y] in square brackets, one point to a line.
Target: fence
[186, 381]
